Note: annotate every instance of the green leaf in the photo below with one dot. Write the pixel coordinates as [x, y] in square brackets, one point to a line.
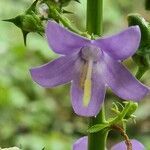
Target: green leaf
[24, 36]
[97, 128]
[142, 56]
[137, 19]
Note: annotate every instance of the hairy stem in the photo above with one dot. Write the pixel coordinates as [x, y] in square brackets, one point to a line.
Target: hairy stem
[94, 16]
[96, 141]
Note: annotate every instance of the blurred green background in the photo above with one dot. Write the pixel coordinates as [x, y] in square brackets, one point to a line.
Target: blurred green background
[32, 117]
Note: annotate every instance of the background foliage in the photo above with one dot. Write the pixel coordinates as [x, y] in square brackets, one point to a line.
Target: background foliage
[32, 117]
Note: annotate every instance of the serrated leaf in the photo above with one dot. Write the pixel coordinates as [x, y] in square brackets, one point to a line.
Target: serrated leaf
[97, 128]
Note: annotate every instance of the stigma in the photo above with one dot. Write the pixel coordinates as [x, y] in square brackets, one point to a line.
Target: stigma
[90, 55]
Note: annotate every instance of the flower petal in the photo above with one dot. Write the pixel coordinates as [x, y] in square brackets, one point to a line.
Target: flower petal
[81, 144]
[121, 81]
[62, 41]
[57, 72]
[136, 145]
[122, 45]
[97, 94]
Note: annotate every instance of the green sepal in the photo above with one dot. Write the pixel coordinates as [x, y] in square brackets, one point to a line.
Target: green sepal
[122, 117]
[124, 114]
[66, 11]
[97, 127]
[131, 110]
[115, 108]
[32, 23]
[25, 37]
[32, 8]
[147, 4]
[17, 20]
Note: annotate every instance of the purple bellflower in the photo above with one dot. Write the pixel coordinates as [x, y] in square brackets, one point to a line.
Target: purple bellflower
[82, 144]
[91, 65]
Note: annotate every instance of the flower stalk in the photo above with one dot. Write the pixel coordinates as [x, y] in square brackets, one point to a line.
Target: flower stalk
[123, 133]
[96, 141]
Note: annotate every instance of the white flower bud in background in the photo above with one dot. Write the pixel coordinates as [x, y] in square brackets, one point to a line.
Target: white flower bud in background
[43, 10]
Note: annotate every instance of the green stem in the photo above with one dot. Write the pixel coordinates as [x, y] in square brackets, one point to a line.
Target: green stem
[94, 16]
[96, 141]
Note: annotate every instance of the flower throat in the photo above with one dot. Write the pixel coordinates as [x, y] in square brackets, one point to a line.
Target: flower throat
[91, 55]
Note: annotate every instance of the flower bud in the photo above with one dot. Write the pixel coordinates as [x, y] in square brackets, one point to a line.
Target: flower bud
[43, 10]
[28, 23]
[31, 23]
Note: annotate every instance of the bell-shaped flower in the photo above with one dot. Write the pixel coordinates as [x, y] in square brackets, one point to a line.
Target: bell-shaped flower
[91, 65]
[82, 144]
